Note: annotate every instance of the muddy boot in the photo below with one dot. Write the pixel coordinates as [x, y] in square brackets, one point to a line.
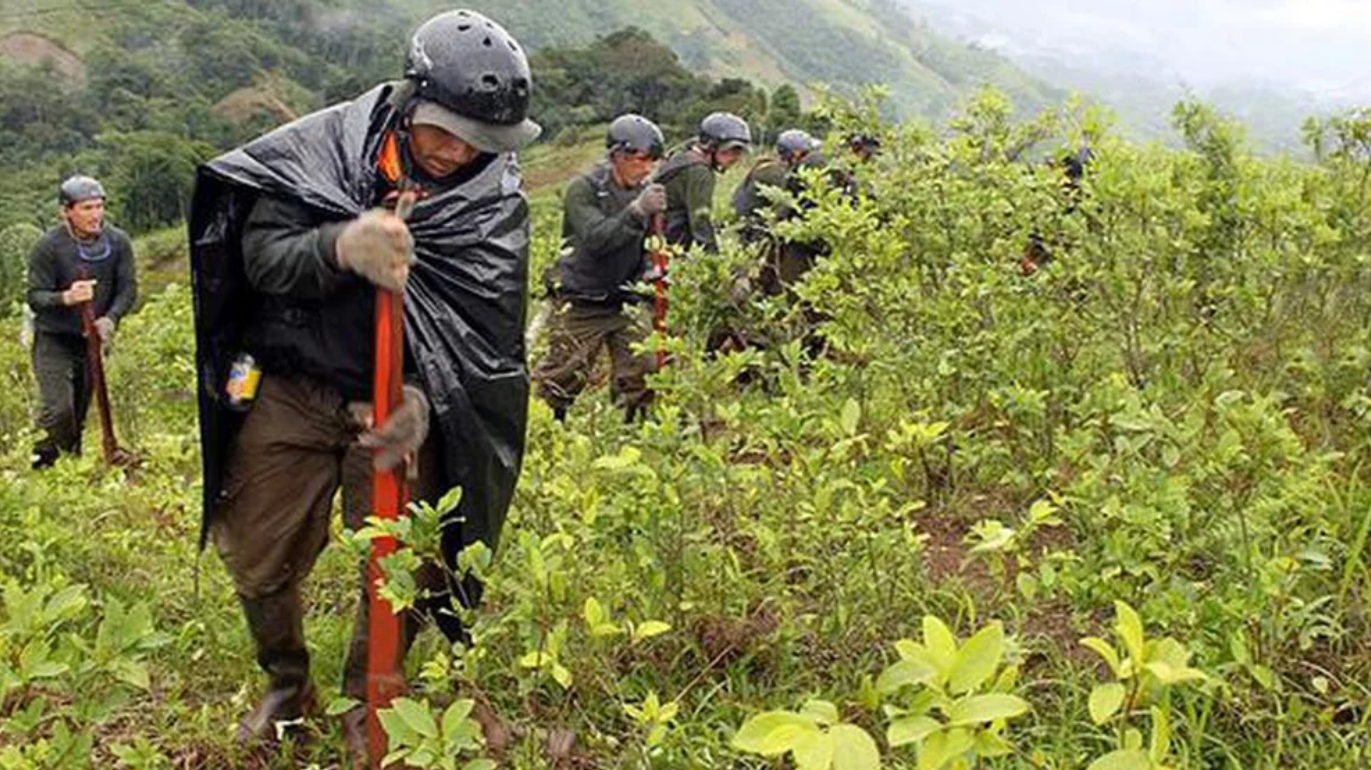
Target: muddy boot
[277, 626]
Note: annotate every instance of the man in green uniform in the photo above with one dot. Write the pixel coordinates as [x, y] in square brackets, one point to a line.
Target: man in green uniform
[749, 202]
[689, 178]
[607, 214]
[291, 239]
[83, 260]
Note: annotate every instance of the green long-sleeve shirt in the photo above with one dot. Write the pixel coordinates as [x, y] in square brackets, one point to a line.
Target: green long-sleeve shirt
[689, 181]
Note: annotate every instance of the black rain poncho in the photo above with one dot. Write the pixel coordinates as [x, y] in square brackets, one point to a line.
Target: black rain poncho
[464, 305]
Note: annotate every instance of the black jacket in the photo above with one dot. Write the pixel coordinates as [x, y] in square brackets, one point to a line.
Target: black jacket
[465, 301]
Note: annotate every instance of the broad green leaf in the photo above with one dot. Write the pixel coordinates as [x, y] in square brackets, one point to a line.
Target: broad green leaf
[1105, 650]
[1168, 675]
[1105, 701]
[854, 749]
[561, 675]
[823, 711]
[1161, 736]
[593, 613]
[772, 733]
[456, 715]
[977, 660]
[1123, 759]
[903, 673]
[907, 730]
[649, 629]
[132, 673]
[910, 650]
[398, 731]
[980, 709]
[480, 764]
[1130, 629]
[851, 417]
[940, 644]
[813, 750]
[943, 747]
[417, 716]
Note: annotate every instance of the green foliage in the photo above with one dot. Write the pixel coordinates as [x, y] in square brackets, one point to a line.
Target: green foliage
[419, 739]
[16, 242]
[814, 737]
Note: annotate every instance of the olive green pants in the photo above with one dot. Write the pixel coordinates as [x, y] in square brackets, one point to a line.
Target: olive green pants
[578, 333]
[296, 450]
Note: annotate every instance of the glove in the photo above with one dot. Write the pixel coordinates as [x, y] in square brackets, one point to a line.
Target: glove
[650, 202]
[104, 326]
[378, 247]
[403, 433]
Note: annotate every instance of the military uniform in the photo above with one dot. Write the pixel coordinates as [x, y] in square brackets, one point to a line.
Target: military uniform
[605, 236]
[59, 347]
[689, 179]
[749, 202]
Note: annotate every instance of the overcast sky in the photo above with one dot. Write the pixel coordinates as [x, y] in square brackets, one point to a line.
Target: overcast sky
[1319, 45]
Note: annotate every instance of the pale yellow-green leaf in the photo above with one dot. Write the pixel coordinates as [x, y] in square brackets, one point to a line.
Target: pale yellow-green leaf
[1123, 759]
[906, 730]
[823, 711]
[1129, 627]
[854, 749]
[1105, 701]
[940, 644]
[772, 733]
[650, 628]
[942, 747]
[813, 750]
[1105, 650]
[977, 660]
[1161, 736]
[981, 709]
[903, 673]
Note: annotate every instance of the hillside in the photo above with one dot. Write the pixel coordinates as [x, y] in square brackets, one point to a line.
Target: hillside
[842, 43]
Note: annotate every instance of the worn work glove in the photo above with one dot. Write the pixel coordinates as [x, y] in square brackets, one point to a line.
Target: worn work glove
[378, 247]
[650, 202]
[403, 433]
[104, 326]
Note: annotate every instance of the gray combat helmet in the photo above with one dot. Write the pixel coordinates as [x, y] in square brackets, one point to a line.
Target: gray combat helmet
[79, 188]
[794, 144]
[470, 66]
[635, 133]
[725, 131]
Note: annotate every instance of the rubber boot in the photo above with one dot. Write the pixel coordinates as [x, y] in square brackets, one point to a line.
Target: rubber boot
[277, 626]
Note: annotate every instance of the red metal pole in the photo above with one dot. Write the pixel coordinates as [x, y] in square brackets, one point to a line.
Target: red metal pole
[390, 497]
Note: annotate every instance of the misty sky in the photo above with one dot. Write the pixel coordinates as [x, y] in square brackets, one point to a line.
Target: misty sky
[1320, 45]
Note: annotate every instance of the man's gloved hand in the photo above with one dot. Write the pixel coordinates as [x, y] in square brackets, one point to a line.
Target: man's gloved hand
[104, 326]
[377, 246]
[650, 202]
[403, 433]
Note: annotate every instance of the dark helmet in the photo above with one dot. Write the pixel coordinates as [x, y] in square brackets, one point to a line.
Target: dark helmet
[725, 131]
[80, 188]
[794, 143]
[635, 133]
[864, 143]
[471, 66]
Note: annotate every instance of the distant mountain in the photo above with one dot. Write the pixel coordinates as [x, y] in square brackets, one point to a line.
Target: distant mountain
[842, 43]
[1124, 65]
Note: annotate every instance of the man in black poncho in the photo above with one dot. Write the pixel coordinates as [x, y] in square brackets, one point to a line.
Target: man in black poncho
[290, 238]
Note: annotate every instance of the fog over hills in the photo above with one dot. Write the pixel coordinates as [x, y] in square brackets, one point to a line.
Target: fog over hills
[1270, 62]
